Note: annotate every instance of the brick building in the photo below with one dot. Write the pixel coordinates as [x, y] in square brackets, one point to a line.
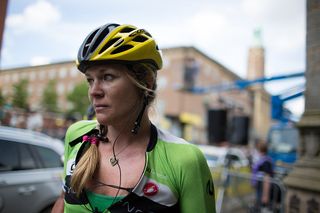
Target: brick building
[183, 113]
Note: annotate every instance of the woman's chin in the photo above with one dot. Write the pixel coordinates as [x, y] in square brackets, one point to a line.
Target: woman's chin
[103, 120]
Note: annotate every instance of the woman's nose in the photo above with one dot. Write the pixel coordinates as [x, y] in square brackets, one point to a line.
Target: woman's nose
[96, 89]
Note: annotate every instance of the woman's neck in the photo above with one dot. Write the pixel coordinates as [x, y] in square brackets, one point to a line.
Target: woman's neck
[122, 133]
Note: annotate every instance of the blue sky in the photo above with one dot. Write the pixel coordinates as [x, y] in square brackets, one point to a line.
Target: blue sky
[44, 31]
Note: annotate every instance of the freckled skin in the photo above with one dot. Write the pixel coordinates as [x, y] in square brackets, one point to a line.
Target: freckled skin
[114, 97]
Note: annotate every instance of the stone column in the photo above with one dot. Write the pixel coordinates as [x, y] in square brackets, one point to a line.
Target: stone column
[303, 183]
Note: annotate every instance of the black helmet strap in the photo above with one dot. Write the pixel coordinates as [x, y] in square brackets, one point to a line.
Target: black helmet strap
[137, 123]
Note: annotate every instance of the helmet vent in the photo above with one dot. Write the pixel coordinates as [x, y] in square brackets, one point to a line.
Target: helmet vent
[101, 36]
[148, 34]
[140, 38]
[122, 49]
[87, 44]
[108, 44]
[127, 30]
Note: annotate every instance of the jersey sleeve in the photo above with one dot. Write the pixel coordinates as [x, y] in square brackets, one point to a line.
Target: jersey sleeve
[75, 131]
[66, 149]
[196, 184]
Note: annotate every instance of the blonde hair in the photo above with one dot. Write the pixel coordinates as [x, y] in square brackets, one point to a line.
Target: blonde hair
[85, 168]
[144, 77]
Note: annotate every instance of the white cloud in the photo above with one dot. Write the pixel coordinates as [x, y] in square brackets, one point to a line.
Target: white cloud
[40, 15]
[39, 60]
[221, 29]
[277, 12]
[208, 25]
[257, 9]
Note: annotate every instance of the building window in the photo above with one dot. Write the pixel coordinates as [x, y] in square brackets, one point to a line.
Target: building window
[191, 71]
[15, 77]
[6, 78]
[60, 88]
[42, 74]
[74, 72]
[63, 72]
[166, 62]
[52, 74]
[30, 89]
[32, 75]
[39, 90]
[5, 91]
[162, 83]
[70, 87]
[23, 75]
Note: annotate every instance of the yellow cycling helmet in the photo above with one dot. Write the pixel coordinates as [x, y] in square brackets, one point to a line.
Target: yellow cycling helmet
[116, 43]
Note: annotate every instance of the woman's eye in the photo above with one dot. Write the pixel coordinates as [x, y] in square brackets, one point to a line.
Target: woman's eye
[90, 81]
[108, 77]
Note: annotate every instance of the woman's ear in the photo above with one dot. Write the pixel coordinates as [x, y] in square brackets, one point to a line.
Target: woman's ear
[150, 80]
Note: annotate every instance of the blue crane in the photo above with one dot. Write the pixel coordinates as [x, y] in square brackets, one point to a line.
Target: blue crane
[241, 84]
[283, 136]
[277, 101]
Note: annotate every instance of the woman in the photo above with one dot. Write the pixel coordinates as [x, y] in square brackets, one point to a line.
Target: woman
[121, 162]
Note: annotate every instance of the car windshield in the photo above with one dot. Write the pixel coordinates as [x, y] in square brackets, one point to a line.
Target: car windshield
[284, 140]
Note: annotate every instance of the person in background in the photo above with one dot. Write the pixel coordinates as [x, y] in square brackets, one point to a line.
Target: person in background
[35, 121]
[121, 162]
[262, 173]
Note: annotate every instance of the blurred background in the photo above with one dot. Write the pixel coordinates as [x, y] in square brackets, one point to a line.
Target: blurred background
[234, 71]
[228, 41]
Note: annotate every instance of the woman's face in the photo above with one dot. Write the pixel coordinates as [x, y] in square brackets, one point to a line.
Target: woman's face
[113, 95]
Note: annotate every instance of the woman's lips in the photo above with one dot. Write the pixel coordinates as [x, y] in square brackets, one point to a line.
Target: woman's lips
[100, 107]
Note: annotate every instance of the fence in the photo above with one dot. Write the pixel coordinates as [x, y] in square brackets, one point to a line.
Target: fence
[235, 192]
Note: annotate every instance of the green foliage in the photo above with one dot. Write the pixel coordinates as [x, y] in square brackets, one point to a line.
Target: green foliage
[2, 98]
[50, 97]
[20, 94]
[79, 98]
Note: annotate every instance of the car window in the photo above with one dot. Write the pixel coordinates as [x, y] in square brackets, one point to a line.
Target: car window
[49, 158]
[8, 156]
[15, 156]
[26, 159]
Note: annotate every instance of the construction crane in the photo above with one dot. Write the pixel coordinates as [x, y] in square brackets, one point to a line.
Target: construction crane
[283, 136]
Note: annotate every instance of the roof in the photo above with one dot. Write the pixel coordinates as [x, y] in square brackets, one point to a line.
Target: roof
[186, 48]
[192, 48]
[31, 137]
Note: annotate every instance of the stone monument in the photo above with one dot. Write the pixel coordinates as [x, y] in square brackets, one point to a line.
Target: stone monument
[303, 183]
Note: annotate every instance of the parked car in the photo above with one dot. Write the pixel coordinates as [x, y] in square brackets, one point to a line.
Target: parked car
[30, 171]
[222, 156]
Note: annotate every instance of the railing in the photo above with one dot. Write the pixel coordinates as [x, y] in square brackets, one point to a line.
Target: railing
[236, 193]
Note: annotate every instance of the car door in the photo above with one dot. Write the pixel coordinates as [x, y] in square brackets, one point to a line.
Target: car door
[17, 188]
[24, 185]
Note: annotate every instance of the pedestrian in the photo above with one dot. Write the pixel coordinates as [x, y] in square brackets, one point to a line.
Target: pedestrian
[121, 162]
[262, 173]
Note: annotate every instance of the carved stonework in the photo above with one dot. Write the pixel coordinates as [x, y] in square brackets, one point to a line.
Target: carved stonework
[294, 204]
[313, 206]
[310, 147]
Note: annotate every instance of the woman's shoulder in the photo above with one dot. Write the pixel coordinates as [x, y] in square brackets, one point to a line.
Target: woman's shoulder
[177, 147]
[80, 128]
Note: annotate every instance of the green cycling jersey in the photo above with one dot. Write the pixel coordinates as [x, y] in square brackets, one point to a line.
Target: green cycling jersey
[176, 177]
